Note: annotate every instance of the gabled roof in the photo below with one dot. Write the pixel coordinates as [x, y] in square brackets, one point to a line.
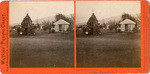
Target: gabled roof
[127, 21]
[61, 21]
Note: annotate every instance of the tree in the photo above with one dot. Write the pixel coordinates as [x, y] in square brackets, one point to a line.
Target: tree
[27, 25]
[38, 25]
[138, 17]
[61, 16]
[92, 24]
[47, 25]
[113, 25]
[128, 16]
[71, 20]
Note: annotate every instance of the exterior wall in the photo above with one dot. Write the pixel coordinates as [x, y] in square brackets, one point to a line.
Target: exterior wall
[130, 27]
[64, 28]
[122, 28]
[56, 28]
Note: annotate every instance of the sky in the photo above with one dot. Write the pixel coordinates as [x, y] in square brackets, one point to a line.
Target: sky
[105, 9]
[18, 10]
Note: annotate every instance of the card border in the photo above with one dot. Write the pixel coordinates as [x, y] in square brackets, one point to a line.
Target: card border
[4, 7]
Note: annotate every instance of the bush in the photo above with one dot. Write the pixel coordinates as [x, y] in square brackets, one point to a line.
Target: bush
[47, 25]
[53, 30]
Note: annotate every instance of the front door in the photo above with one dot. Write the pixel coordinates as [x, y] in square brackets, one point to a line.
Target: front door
[60, 27]
[126, 27]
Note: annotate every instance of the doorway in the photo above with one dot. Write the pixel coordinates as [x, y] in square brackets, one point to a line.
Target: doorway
[60, 27]
[126, 27]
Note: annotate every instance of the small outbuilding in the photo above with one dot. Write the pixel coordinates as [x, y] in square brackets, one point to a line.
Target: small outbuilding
[61, 26]
[127, 25]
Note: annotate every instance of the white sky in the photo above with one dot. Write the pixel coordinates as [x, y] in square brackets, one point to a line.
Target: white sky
[18, 10]
[105, 9]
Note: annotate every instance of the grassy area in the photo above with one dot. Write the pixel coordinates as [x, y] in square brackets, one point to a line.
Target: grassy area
[109, 50]
[42, 50]
[57, 50]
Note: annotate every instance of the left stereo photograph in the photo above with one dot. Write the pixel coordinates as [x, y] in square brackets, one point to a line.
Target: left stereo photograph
[41, 34]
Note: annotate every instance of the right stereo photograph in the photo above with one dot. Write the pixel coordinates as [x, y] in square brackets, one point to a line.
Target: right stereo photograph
[108, 34]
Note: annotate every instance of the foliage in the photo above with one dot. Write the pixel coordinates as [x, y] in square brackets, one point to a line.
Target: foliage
[71, 19]
[138, 17]
[61, 16]
[113, 25]
[92, 24]
[103, 25]
[128, 16]
[47, 25]
[38, 26]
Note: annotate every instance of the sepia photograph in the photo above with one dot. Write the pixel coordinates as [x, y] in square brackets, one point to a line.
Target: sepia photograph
[108, 34]
[74, 36]
[41, 34]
